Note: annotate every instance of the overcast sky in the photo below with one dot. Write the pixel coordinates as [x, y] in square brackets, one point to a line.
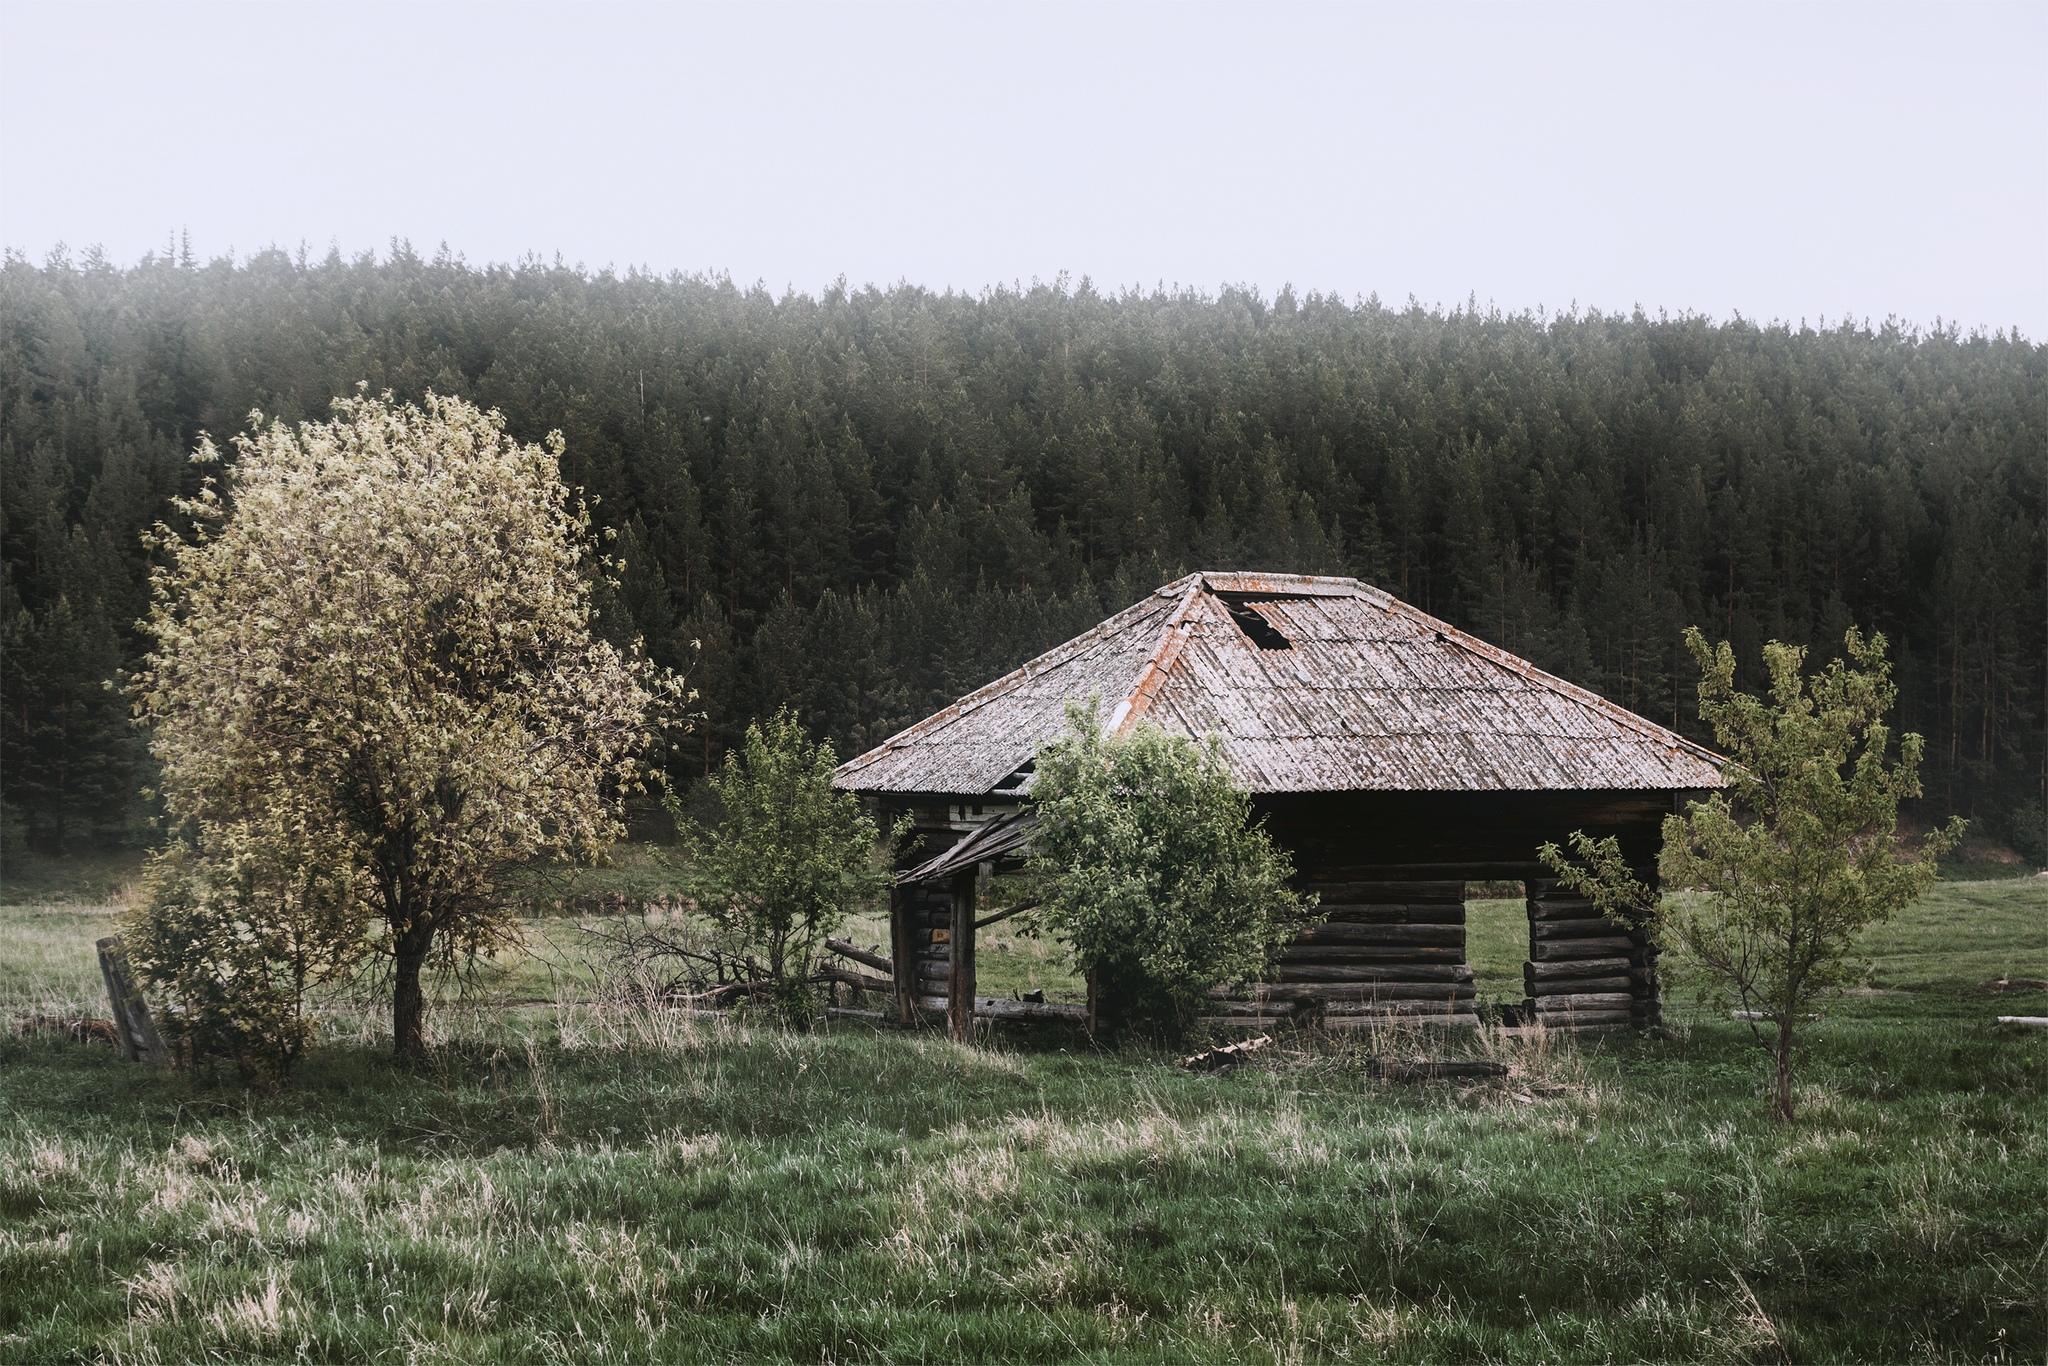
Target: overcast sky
[1781, 161]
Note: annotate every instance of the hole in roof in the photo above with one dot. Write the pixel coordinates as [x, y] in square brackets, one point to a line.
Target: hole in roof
[1017, 777]
[1256, 628]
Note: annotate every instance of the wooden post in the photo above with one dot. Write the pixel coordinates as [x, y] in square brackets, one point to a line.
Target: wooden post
[139, 1040]
[960, 974]
[903, 954]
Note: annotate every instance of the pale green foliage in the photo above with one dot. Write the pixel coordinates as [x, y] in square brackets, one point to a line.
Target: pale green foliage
[1153, 870]
[383, 638]
[1799, 855]
[790, 858]
[239, 933]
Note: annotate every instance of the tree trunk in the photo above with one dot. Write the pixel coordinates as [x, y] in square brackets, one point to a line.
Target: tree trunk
[408, 1003]
[1781, 1105]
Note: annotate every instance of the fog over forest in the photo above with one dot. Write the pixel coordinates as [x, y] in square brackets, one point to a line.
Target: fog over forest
[866, 504]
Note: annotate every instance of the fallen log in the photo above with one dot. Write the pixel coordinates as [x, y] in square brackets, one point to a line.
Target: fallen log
[1030, 1012]
[1449, 1069]
[2025, 1021]
[77, 1028]
[858, 980]
[1229, 1055]
[847, 949]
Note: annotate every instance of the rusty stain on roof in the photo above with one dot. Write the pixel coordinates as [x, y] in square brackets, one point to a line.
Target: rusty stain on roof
[1368, 693]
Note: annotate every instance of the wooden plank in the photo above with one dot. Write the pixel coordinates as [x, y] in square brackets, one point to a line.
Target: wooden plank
[140, 1041]
[1006, 913]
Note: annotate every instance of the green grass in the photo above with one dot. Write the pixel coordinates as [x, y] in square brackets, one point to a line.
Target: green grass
[596, 1182]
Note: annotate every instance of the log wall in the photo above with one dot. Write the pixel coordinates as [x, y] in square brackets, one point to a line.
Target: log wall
[1391, 870]
[1388, 948]
[1585, 970]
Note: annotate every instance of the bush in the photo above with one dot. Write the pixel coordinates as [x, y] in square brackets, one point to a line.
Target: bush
[788, 859]
[238, 937]
[1154, 872]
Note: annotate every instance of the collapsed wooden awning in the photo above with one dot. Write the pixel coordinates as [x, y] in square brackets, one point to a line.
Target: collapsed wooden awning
[1001, 837]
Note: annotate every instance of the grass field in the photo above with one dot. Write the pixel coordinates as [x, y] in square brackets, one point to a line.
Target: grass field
[590, 1181]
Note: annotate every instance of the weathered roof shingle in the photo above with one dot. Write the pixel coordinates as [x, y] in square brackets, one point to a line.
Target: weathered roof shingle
[1311, 685]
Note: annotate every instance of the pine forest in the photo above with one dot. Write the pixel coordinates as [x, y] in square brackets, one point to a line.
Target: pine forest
[866, 504]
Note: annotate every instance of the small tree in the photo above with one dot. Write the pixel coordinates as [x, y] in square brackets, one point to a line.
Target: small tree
[1153, 871]
[382, 637]
[790, 857]
[239, 928]
[1797, 858]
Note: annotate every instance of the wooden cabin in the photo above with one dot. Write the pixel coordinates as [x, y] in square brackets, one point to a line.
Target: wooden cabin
[1396, 758]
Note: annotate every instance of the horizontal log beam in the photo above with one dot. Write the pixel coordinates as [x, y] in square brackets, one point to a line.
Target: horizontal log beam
[1577, 929]
[1584, 1001]
[1566, 950]
[1409, 913]
[1291, 973]
[1578, 986]
[1382, 934]
[1341, 889]
[1371, 954]
[1582, 967]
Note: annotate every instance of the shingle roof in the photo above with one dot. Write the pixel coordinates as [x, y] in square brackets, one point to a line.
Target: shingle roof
[1353, 690]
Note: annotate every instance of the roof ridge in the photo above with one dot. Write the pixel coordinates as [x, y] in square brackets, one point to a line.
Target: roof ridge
[1153, 672]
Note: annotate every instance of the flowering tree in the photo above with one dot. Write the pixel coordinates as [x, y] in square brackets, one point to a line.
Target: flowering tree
[381, 635]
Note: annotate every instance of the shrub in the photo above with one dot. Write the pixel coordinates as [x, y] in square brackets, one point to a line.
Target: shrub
[788, 859]
[1153, 870]
[238, 936]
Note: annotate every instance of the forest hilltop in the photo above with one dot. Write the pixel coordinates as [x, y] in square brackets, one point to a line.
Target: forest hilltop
[865, 504]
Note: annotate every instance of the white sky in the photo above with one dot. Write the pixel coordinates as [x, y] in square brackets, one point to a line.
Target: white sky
[1781, 161]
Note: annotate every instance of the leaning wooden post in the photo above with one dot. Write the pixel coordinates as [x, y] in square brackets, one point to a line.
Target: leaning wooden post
[140, 1041]
[960, 970]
